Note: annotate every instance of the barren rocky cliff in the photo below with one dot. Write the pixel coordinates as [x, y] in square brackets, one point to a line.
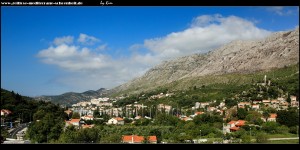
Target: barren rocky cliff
[276, 51]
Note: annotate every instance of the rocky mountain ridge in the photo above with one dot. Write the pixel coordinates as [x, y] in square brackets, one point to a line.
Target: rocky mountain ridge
[276, 51]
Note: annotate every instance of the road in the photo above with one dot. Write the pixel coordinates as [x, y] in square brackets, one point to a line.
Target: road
[16, 130]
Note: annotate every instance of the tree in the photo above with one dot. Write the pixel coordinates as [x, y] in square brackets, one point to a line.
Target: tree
[111, 138]
[288, 99]
[230, 103]
[157, 133]
[146, 140]
[282, 129]
[261, 137]
[270, 127]
[75, 115]
[289, 118]
[96, 113]
[266, 114]
[254, 117]
[246, 138]
[294, 129]
[207, 118]
[48, 128]
[242, 113]
[164, 119]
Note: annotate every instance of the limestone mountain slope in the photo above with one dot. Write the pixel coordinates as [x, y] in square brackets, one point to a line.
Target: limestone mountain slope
[276, 51]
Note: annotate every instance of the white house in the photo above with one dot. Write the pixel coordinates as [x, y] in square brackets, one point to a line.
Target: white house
[116, 121]
[5, 112]
[87, 117]
[255, 106]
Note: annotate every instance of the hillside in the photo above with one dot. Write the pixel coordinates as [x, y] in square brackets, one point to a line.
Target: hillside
[72, 97]
[279, 50]
[18, 104]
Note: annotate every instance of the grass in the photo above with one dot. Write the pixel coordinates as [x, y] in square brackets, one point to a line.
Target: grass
[296, 141]
[286, 135]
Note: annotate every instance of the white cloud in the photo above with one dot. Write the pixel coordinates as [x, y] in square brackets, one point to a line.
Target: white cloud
[86, 39]
[89, 69]
[63, 40]
[72, 58]
[281, 11]
[102, 47]
[204, 20]
[205, 33]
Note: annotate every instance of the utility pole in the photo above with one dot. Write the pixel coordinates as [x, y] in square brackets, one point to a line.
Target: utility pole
[142, 110]
[200, 137]
[150, 111]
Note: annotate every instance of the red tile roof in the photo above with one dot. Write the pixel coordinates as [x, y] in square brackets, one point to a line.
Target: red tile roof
[119, 119]
[137, 139]
[199, 113]
[87, 126]
[240, 123]
[152, 138]
[273, 116]
[73, 121]
[231, 122]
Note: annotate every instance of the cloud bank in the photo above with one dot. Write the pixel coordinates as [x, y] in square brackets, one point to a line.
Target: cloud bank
[89, 68]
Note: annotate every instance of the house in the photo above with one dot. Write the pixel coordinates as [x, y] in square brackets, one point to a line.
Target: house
[266, 101]
[274, 101]
[87, 117]
[255, 106]
[242, 104]
[284, 104]
[294, 102]
[138, 117]
[240, 123]
[198, 113]
[87, 126]
[256, 101]
[281, 99]
[135, 139]
[197, 105]
[163, 107]
[272, 117]
[74, 122]
[221, 112]
[233, 126]
[116, 121]
[203, 105]
[69, 112]
[233, 129]
[5, 112]
[222, 104]
[293, 98]
[186, 119]
[210, 109]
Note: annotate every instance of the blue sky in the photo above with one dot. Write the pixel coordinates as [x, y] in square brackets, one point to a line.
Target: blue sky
[52, 50]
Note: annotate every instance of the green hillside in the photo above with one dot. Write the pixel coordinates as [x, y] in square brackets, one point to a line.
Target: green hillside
[219, 87]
